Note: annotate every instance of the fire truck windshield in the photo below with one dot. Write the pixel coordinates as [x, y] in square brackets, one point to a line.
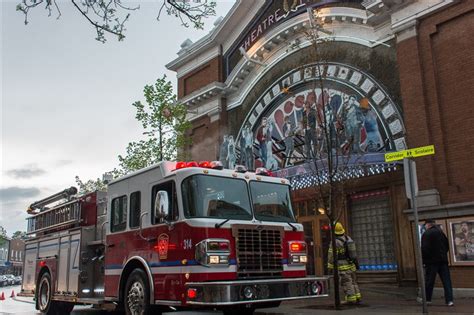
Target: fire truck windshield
[227, 198]
[271, 202]
[217, 197]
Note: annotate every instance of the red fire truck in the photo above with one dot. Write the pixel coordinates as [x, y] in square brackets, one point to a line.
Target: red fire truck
[175, 235]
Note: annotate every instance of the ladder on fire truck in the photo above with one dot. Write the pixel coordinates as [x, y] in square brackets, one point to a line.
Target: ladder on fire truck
[62, 215]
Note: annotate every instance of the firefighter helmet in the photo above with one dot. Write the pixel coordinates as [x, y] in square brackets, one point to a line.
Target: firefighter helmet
[339, 229]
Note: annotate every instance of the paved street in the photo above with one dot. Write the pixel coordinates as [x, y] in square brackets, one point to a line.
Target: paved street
[377, 300]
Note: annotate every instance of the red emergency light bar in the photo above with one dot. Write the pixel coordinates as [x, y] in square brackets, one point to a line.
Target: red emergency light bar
[263, 171]
[204, 164]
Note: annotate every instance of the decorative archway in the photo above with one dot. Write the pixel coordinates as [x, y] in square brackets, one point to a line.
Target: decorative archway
[354, 98]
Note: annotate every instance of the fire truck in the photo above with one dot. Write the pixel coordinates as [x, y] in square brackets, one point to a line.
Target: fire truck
[175, 235]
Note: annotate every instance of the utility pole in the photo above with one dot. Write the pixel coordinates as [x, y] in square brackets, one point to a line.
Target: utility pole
[411, 181]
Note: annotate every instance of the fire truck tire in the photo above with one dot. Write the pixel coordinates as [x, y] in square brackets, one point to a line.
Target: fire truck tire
[65, 307]
[136, 299]
[45, 303]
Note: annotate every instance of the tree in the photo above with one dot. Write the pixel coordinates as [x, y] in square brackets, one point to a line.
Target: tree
[164, 122]
[110, 16]
[90, 185]
[3, 232]
[335, 159]
[19, 235]
[165, 126]
[3, 235]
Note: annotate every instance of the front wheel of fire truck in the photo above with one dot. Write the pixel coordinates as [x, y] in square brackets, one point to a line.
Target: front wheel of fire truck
[136, 298]
[44, 298]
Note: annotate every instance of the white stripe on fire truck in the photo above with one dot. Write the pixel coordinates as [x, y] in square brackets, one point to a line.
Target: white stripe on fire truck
[179, 270]
[195, 269]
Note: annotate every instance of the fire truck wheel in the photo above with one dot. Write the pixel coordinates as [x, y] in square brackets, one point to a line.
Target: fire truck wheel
[66, 307]
[137, 294]
[44, 298]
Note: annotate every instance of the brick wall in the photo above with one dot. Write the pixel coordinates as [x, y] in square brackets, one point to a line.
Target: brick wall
[205, 140]
[200, 77]
[437, 79]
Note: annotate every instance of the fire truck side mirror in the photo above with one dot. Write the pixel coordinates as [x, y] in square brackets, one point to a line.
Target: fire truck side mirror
[161, 210]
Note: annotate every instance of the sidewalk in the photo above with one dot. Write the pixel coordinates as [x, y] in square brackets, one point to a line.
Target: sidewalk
[377, 299]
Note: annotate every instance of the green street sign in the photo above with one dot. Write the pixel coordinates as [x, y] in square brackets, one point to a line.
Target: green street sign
[411, 153]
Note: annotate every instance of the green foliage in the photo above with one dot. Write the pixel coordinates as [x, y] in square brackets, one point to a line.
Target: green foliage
[3, 236]
[3, 232]
[165, 126]
[90, 185]
[160, 114]
[19, 235]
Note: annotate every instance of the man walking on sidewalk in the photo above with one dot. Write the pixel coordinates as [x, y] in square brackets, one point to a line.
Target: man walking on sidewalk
[346, 264]
[434, 248]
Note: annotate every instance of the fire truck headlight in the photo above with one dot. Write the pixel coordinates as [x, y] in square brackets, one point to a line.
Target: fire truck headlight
[213, 252]
[303, 259]
[295, 259]
[298, 252]
[298, 259]
[214, 260]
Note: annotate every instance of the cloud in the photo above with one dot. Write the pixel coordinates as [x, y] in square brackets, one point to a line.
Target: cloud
[28, 171]
[63, 162]
[14, 193]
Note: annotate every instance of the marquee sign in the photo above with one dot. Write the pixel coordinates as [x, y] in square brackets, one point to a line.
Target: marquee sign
[284, 126]
[272, 14]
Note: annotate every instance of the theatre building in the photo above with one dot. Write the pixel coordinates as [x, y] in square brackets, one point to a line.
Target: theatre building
[388, 75]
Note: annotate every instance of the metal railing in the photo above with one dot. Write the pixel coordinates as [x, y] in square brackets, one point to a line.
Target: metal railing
[62, 215]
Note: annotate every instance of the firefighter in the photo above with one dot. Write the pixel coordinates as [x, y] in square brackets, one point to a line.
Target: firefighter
[346, 264]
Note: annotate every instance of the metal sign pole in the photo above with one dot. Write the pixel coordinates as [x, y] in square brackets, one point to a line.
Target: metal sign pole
[418, 256]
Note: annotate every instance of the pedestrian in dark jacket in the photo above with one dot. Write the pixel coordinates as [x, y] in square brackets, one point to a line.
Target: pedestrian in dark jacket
[434, 248]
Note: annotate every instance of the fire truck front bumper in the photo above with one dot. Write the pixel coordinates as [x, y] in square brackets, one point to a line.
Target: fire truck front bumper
[221, 293]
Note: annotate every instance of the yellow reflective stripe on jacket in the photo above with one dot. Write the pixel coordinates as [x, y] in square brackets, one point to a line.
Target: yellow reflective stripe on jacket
[343, 267]
[349, 267]
[338, 250]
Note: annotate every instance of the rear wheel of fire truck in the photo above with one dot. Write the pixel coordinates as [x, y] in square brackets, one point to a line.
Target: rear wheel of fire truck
[136, 298]
[44, 298]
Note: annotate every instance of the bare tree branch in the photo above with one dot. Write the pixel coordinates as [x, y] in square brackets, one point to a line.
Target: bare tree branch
[110, 16]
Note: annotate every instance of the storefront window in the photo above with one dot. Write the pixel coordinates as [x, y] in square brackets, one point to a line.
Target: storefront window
[372, 231]
[299, 209]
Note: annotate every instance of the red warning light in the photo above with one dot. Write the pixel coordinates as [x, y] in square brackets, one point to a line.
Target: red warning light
[180, 165]
[192, 293]
[325, 227]
[297, 247]
[205, 164]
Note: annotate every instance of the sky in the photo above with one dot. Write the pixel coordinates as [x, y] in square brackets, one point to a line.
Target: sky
[66, 98]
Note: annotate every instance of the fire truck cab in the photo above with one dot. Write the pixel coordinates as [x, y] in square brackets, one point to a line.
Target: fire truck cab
[175, 235]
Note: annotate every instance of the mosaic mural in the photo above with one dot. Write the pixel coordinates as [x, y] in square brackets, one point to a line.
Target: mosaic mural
[284, 128]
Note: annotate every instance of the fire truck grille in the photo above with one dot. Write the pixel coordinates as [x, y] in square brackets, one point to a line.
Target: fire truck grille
[259, 251]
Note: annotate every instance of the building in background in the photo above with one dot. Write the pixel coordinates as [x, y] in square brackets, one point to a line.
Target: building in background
[397, 75]
[17, 255]
[4, 254]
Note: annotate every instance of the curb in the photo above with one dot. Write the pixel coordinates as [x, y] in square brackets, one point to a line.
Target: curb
[23, 301]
